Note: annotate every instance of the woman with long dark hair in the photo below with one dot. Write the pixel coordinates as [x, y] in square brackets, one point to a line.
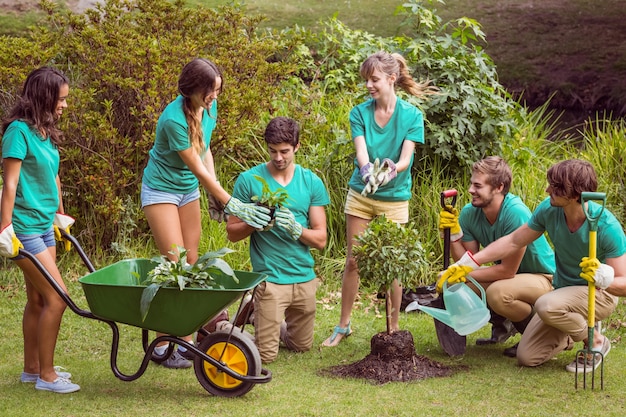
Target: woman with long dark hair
[31, 207]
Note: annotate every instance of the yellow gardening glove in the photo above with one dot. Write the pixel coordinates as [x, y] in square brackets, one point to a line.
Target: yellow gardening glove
[449, 219]
[457, 271]
[63, 222]
[597, 273]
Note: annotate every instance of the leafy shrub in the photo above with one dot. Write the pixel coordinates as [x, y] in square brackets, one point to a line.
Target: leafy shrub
[123, 59]
[469, 117]
[387, 251]
[179, 273]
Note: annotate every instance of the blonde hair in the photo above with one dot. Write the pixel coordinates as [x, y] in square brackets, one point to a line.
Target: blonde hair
[395, 64]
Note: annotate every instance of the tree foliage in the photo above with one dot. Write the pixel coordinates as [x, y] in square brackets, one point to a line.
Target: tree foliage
[387, 251]
[123, 59]
[472, 113]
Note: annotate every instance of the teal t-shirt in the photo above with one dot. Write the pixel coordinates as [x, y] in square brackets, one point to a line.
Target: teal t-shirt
[406, 123]
[275, 253]
[165, 170]
[37, 196]
[538, 258]
[571, 247]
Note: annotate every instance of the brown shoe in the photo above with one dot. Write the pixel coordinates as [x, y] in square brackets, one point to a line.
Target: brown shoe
[210, 326]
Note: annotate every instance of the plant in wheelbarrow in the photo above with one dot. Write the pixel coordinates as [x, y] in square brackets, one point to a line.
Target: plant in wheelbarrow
[179, 273]
[387, 251]
[226, 363]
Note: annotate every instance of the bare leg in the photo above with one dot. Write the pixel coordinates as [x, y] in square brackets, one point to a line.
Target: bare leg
[51, 308]
[172, 225]
[350, 282]
[30, 326]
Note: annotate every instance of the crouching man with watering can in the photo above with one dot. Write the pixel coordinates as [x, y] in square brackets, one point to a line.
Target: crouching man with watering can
[515, 281]
[561, 314]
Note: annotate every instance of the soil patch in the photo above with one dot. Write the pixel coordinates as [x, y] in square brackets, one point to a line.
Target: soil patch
[392, 361]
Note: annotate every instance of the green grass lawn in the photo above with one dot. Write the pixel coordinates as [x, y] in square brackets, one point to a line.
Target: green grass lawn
[491, 384]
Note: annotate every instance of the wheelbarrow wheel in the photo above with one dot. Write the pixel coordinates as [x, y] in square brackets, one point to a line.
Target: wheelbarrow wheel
[238, 354]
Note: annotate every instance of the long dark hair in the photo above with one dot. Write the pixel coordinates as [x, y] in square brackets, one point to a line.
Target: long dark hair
[199, 75]
[38, 103]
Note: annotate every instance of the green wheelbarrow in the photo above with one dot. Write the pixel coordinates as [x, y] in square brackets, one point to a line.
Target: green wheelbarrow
[226, 363]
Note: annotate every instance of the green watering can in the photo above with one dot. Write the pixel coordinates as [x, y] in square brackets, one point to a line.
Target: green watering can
[465, 312]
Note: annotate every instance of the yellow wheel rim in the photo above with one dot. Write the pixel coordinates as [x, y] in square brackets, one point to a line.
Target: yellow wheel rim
[233, 358]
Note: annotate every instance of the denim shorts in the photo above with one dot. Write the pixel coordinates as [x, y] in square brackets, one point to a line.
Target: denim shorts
[36, 243]
[151, 196]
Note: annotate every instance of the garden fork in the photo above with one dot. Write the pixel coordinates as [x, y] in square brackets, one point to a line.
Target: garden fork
[583, 354]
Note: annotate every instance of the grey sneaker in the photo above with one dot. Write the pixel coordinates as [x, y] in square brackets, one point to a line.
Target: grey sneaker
[586, 363]
[32, 378]
[59, 385]
[176, 361]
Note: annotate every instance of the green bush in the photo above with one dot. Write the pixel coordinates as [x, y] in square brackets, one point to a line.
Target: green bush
[472, 114]
[123, 59]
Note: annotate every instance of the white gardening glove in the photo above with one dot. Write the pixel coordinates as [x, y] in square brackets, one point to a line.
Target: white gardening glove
[63, 222]
[9, 243]
[597, 273]
[256, 216]
[457, 271]
[386, 173]
[286, 220]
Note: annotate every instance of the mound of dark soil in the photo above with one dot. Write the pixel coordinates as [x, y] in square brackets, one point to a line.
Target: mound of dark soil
[392, 359]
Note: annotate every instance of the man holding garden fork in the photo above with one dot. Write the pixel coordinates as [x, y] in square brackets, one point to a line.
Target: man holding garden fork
[561, 315]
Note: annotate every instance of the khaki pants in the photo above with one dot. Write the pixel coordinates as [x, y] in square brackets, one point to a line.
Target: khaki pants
[560, 321]
[295, 305]
[513, 298]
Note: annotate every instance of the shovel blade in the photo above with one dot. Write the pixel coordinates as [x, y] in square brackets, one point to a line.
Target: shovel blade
[450, 341]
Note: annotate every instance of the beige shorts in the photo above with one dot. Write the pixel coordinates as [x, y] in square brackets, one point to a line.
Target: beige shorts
[368, 208]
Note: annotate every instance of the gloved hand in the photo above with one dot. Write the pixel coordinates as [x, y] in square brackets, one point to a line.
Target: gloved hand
[9, 243]
[597, 273]
[286, 220]
[256, 216]
[63, 222]
[366, 172]
[457, 271]
[370, 177]
[387, 172]
[216, 209]
[449, 219]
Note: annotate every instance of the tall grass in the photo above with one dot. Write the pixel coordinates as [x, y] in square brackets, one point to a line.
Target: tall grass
[604, 146]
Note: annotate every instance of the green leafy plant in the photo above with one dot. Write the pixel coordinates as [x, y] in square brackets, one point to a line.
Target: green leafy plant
[386, 251]
[183, 275]
[270, 198]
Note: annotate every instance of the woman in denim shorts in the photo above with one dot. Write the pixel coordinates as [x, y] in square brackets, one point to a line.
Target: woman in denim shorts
[179, 162]
[31, 198]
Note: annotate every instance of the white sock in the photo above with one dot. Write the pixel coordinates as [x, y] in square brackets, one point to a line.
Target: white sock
[160, 350]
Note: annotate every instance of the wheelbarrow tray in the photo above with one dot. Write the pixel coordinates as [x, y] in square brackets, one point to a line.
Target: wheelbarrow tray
[114, 293]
